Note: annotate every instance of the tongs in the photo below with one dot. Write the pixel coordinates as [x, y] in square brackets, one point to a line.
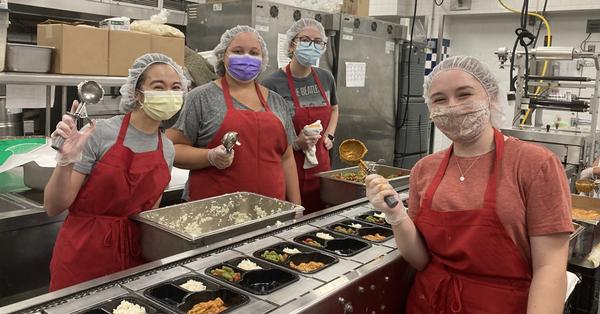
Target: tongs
[390, 200]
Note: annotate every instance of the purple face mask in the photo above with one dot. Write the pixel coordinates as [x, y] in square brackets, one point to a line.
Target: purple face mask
[244, 67]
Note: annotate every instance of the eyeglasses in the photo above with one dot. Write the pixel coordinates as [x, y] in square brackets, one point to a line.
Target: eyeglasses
[305, 41]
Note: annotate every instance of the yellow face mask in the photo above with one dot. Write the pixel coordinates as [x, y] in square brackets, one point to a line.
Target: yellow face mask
[162, 105]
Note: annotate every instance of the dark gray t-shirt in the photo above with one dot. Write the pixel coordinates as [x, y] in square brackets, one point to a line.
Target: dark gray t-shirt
[306, 88]
[204, 111]
[105, 136]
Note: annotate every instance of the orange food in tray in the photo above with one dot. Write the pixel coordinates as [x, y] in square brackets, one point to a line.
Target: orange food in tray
[585, 214]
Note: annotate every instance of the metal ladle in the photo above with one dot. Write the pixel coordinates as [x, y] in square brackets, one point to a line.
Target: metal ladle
[90, 92]
[230, 139]
[352, 152]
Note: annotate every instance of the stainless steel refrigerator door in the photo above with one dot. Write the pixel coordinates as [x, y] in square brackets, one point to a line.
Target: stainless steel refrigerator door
[367, 113]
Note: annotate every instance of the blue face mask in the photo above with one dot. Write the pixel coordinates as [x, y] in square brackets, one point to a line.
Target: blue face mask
[308, 56]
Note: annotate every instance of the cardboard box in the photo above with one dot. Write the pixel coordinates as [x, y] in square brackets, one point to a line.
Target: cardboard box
[173, 47]
[78, 49]
[123, 48]
[356, 7]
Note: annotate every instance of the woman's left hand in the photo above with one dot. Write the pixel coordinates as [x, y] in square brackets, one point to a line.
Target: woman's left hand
[327, 142]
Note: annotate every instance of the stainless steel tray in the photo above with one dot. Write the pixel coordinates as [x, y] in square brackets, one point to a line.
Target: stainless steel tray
[336, 191]
[178, 228]
[577, 247]
[590, 236]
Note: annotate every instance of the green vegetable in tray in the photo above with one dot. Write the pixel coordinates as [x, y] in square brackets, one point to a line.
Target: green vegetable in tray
[375, 220]
[274, 256]
[344, 230]
[227, 273]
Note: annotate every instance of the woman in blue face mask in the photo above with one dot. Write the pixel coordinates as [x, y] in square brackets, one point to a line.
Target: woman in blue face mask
[310, 93]
[264, 161]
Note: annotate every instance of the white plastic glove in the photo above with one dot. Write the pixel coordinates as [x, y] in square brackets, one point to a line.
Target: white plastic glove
[378, 188]
[587, 173]
[219, 158]
[303, 141]
[72, 148]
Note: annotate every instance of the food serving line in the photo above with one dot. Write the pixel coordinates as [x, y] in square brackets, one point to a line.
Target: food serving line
[340, 260]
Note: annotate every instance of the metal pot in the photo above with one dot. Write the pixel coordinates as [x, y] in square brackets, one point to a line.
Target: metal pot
[28, 58]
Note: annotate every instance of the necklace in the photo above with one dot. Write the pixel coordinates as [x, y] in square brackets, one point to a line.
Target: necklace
[462, 174]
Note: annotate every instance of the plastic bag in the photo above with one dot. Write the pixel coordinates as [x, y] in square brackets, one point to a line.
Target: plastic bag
[156, 26]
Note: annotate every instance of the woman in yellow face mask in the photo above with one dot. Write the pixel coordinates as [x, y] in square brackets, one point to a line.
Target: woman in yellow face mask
[111, 170]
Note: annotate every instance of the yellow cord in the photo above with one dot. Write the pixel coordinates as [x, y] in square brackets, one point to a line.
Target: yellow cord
[545, 67]
[547, 25]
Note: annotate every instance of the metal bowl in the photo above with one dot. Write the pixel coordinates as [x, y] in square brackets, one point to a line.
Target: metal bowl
[28, 58]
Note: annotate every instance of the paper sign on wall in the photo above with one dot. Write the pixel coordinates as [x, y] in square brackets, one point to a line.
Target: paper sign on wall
[27, 96]
[282, 50]
[355, 74]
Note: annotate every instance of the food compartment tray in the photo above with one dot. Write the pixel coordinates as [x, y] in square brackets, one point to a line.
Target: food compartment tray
[306, 255]
[259, 282]
[340, 245]
[110, 305]
[361, 233]
[369, 217]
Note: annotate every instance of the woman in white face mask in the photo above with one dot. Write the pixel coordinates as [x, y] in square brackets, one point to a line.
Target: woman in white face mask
[488, 219]
[310, 94]
[111, 170]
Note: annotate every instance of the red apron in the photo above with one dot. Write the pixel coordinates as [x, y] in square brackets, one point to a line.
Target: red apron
[97, 238]
[310, 184]
[257, 166]
[475, 266]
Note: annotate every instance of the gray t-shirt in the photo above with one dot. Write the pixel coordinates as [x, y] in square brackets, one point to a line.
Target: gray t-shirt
[204, 111]
[307, 90]
[105, 136]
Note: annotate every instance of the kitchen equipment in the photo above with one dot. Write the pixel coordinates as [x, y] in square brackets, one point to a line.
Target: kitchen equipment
[28, 58]
[230, 139]
[336, 190]
[174, 229]
[352, 151]
[90, 92]
[587, 186]
[576, 243]
[590, 235]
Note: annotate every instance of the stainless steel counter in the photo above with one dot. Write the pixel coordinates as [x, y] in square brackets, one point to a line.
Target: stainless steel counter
[365, 277]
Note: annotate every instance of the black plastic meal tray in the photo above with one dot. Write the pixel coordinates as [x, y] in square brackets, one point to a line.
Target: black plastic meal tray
[260, 282]
[180, 300]
[367, 229]
[364, 216]
[305, 256]
[341, 245]
[110, 305]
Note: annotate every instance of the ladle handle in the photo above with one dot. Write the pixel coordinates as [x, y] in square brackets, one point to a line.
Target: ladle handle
[391, 201]
[58, 142]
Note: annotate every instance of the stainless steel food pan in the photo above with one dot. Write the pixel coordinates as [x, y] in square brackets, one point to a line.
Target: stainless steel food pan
[335, 190]
[174, 229]
[590, 235]
[28, 58]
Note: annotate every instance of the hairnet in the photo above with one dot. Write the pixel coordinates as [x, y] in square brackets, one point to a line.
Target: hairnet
[300, 25]
[497, 97]
[226, 40]
[128, 102]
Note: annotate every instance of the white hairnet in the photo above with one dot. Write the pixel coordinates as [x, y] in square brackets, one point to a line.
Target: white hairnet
[300, 25]
[128, 102]
[496, 96]
[226, 40]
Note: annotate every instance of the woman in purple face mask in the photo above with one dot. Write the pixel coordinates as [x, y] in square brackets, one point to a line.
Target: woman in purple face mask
[263, 163]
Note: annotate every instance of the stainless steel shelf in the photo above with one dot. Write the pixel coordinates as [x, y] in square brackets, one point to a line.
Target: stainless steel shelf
[57, 79]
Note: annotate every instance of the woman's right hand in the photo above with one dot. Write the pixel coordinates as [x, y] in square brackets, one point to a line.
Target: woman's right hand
[71, 150]
[377, 189]
[219, 158]
[303, 141]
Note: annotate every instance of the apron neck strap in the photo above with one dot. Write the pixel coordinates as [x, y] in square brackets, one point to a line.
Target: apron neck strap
[123, 129]
[229, 99]
[489, 200]
[292, 86]
[123, 132]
